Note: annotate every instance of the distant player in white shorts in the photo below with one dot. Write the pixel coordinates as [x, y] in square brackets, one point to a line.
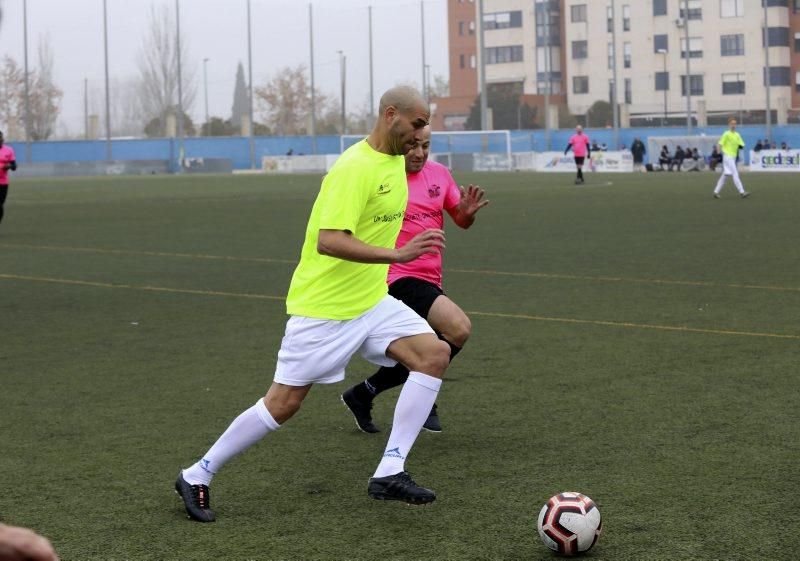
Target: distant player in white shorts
[729, 144]
[339, 306]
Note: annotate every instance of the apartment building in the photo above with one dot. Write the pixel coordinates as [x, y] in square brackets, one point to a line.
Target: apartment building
[523, 51]
[569, 47]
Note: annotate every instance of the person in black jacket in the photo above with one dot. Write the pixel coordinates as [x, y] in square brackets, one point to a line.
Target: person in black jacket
[638, 151]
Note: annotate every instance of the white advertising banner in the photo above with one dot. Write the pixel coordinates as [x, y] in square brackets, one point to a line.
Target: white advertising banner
[619, 161]
[775, 160]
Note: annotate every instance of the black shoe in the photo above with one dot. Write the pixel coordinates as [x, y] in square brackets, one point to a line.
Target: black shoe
[399, 487]
[362, 411]
[745, 195]
[432, 423]
[196, 500]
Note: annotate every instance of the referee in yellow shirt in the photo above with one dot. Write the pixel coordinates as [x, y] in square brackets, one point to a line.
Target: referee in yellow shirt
[730, 143]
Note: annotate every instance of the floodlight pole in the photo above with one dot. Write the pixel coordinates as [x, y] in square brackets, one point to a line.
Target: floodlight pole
[481, 53]
[768, 76]
[109, 154]
[342, 72]
[180, 83]
[424, 64]
[27, 83]
[205, 87]
[311, 69]
[614, 75]
[250, 141]
[371, 81]
[688, 68]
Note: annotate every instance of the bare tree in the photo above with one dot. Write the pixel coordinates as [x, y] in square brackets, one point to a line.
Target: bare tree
[158, 69]
[12, 100]
[45, 96]
[284, 103]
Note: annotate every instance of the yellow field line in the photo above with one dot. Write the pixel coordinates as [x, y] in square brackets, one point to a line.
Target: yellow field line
[142, 287]
[148, 253]
[634, 325]
[473, 313]
[706, 284]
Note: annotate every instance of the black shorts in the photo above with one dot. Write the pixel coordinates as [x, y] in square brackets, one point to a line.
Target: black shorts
[3, 193]
[579, 160]
[415, 293]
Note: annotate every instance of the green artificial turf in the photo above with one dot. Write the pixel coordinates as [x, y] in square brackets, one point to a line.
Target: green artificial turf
[633, 339]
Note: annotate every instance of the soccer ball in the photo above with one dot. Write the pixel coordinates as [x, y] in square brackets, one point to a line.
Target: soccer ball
[569, 523]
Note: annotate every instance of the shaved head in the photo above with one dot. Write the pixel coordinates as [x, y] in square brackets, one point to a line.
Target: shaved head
[404, 98]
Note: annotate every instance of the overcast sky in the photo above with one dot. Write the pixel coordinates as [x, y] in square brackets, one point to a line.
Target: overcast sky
[216, 29]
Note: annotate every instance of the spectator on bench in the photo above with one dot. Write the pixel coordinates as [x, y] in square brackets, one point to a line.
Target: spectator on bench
[677, 159]
[664, 158]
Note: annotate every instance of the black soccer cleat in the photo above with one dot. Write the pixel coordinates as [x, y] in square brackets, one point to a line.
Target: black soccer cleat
[196, 500]
[432, 423]
[716, 195]
[362, 411]
[399, 487]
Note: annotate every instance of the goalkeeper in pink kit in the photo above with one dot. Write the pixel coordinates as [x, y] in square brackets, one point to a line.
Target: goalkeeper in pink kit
[431, 190]
[579, 143]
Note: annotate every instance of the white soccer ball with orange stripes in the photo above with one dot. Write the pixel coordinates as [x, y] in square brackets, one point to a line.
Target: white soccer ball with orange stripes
[570, 523]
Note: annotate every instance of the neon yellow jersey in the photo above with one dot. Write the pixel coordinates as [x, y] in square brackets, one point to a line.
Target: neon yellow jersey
[730, 142]
[365, 192]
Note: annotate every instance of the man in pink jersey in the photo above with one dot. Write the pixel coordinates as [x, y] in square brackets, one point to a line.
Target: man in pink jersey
[418, 283]
[579, 143]
[7, 162]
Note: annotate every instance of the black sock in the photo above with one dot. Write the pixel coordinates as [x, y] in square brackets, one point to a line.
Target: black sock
[387, 377]
[580, 173]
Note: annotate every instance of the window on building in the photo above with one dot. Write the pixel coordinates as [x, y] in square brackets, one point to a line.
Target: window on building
[770, 3]
[695, 47]
[609, 19]
[461, 61]
[796, 6]
[731, 8]
[626, 55]
[611, 55]
[626, 18]
[502, 20]
[695, 9]
[580, 84]
[732, 45]
[579, 49]
[472, 61]
[472, 28]
[500, 55]
[797, 41]
[777, 36]
[779, 76]
[662, 81]
[659, 7]
[461, 28]
[797, 82]
[628, 91]
[578, 13]
[695, 84]
[660, 43]
[611, 93]
[732, 84]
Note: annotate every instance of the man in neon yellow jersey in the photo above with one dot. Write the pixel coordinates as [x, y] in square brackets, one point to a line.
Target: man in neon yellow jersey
[730, 143]
[339, 306]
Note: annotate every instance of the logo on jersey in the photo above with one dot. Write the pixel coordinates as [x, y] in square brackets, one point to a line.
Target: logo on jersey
[434, 191]
[384, 188]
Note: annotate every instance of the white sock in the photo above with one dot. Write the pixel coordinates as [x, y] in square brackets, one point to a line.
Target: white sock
[738, 183]
[245, 430]
[720, 183]
[413, 406]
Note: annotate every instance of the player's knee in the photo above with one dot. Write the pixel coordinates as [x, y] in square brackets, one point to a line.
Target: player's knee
[437, 359]
[462, 329]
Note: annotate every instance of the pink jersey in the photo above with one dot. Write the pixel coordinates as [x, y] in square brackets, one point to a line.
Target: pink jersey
[6, 157]
[580, 144]
[430, 192]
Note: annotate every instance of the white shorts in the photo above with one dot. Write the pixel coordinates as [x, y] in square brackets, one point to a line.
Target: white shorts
[316, 351]
[729, 165]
